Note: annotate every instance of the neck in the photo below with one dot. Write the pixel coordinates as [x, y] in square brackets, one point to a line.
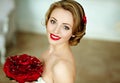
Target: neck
[58, 48]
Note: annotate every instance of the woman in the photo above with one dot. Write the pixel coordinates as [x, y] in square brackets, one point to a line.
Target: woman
[65, 25]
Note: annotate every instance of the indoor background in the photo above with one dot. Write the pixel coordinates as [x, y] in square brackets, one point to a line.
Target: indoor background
[97, 55]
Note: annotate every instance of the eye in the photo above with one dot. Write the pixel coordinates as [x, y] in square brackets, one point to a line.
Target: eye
[52, 21]
[66, 28]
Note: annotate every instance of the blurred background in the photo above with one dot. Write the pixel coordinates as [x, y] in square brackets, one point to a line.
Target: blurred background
[22, 30]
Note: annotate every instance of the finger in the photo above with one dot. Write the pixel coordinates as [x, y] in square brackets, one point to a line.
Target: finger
[13, 81]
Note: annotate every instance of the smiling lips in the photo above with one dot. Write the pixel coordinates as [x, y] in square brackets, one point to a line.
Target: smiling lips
[54, 37]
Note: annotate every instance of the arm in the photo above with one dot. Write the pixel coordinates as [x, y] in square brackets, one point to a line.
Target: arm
[62, 73]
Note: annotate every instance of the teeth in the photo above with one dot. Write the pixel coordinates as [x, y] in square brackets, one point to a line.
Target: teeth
[54, 36]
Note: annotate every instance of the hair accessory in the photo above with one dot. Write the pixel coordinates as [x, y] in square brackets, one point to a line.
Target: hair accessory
[84, 20]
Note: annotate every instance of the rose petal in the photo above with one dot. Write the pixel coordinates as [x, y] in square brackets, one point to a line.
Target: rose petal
[23, 68]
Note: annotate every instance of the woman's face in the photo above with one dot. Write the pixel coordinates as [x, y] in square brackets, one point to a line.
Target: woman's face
[59, 26]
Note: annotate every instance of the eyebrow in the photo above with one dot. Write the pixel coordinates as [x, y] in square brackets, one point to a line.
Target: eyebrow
[54, 18]
[67, 24]
[63, 23]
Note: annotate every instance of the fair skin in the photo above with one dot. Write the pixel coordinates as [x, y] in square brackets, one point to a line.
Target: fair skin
[58, 58]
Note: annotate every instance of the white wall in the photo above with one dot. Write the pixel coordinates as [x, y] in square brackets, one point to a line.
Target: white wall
[103, 17]
[30, 15]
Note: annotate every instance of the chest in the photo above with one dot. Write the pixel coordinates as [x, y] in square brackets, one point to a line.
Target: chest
[49, 64]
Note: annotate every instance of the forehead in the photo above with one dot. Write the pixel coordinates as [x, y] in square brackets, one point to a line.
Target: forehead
[62, 15]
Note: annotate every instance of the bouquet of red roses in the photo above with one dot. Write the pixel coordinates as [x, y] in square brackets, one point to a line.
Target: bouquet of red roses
[23, 68]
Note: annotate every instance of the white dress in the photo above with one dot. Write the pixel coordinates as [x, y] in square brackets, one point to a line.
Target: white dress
[40, 80]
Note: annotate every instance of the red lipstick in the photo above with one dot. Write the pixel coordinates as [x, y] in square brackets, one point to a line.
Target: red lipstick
[54, 37]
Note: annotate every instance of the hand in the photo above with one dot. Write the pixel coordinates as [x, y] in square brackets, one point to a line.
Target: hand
[13, 81]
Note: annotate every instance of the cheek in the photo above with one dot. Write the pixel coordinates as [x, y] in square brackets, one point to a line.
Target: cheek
[49, 27]
[66, 34]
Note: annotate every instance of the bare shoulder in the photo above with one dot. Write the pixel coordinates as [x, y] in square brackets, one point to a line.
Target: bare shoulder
[63, 72]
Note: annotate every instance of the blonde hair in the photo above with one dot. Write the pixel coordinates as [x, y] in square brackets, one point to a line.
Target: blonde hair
[79, 19]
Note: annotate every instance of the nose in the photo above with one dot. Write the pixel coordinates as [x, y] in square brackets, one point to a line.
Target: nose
[57, 29]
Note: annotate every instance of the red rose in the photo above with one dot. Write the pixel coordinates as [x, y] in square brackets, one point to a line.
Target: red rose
[84, 20]
[23, 68]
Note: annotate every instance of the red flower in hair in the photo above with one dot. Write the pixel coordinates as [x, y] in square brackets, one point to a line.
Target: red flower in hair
[23, 68]
[84, 20]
